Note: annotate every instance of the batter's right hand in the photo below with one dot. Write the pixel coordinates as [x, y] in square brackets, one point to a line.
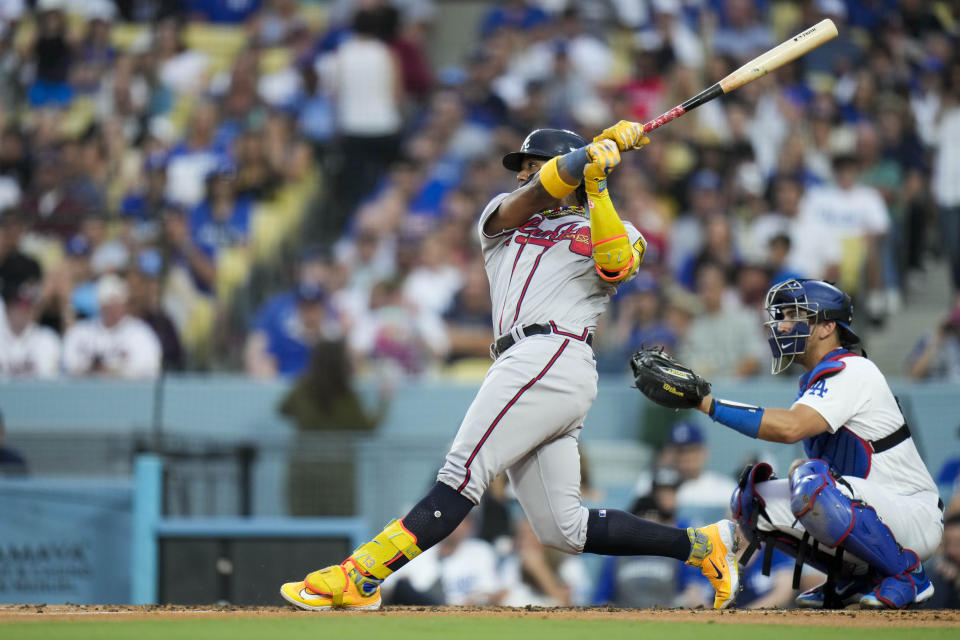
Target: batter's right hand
[604, 154]
[628, 135]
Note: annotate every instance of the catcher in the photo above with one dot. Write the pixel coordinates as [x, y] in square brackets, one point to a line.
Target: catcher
[862, 507]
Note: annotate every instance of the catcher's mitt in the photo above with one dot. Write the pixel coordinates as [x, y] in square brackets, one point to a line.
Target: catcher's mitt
[665, 381]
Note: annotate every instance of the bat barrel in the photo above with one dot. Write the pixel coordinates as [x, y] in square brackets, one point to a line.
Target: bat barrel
[783, 53]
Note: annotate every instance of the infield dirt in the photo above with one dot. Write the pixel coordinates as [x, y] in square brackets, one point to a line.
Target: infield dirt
[843, 618]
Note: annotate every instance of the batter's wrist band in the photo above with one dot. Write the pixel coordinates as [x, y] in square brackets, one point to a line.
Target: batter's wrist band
[597, 188]
[744, 418]
[553, 183]
[574, 162]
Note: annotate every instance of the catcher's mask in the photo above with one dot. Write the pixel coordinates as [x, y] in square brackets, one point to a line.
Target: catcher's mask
[804, 303]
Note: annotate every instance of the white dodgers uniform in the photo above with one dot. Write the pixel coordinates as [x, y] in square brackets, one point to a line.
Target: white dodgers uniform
[879, 464]
[527, 415]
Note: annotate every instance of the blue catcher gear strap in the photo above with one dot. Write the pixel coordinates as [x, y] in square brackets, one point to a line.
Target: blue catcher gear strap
[835, 520]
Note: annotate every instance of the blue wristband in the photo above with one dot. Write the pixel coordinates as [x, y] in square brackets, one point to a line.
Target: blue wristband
[744, 418]
[574, 162]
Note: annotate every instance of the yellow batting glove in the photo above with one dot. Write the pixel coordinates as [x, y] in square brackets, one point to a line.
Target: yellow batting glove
[603, 153]
[628, 135]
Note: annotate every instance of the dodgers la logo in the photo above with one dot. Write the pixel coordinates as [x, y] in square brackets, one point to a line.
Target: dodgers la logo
[819, 389]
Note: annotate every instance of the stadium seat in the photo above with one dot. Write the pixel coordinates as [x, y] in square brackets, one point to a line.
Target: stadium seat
[221, 43]
[233, 269]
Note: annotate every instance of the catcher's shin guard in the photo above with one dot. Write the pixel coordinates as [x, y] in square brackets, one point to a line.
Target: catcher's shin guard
[839, 522]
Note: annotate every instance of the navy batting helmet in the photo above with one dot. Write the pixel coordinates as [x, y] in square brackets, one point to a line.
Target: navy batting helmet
[811, 301]
[544, 143]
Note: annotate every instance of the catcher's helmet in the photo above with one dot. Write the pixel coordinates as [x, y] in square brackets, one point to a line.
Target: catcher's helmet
[544, 143]
[811, 301]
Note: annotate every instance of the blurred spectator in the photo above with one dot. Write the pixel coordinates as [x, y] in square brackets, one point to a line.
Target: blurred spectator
[286, 330]
[52, 56]
[141, 210]
[366, 80]
[936, 356]
[703, 495]
[687, 232]
[640, 322]
[54, 205]
[781, 219]
[15, 160]
[324, 399]
[460, 570]
[27, 350]
[233, 12]
[742, 34]
[190, 162]
[946, 167]
[116, 344]
[276, 24]
[433, 283]
[723, 340]
[179, 68]
[513, 14]
[642, 582]
[467, 318]
[541, 577]
[222, 219]
[395, 335]
[778, 254]
[944, 568]
[143, 281]
[12, 462]
[95, 53]
[718, 248]
[855, 218]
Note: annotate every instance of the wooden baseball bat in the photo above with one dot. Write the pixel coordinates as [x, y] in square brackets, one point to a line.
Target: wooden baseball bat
[766, 62]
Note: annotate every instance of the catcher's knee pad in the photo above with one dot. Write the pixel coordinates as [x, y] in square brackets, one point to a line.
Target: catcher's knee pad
[837, 521]
[746, 505]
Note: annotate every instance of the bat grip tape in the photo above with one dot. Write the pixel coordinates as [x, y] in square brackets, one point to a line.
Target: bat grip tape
[744, 418]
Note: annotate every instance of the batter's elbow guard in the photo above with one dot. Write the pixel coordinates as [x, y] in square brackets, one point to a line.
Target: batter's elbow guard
[615, 257]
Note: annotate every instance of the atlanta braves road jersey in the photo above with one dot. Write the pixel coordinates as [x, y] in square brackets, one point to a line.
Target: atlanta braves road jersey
[543, 270]
[859, 399]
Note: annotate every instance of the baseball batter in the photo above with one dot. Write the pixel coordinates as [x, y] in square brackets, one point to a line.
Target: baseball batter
[555, 250]
[864, 496]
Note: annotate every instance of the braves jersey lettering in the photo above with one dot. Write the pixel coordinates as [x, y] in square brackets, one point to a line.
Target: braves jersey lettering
[528, 265]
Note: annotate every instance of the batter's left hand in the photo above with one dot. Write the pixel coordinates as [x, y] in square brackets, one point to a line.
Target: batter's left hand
[628, 135]
[604, 154]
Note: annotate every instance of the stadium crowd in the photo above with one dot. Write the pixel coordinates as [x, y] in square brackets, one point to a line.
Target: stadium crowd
[157, 157]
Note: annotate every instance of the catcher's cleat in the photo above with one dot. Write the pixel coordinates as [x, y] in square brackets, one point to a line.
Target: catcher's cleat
[331, 588]
[847, 592]
[714, 550]
[899, 592]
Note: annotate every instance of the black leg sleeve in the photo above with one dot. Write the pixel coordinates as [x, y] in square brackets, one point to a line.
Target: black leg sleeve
[437, 515]
[611, 532]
